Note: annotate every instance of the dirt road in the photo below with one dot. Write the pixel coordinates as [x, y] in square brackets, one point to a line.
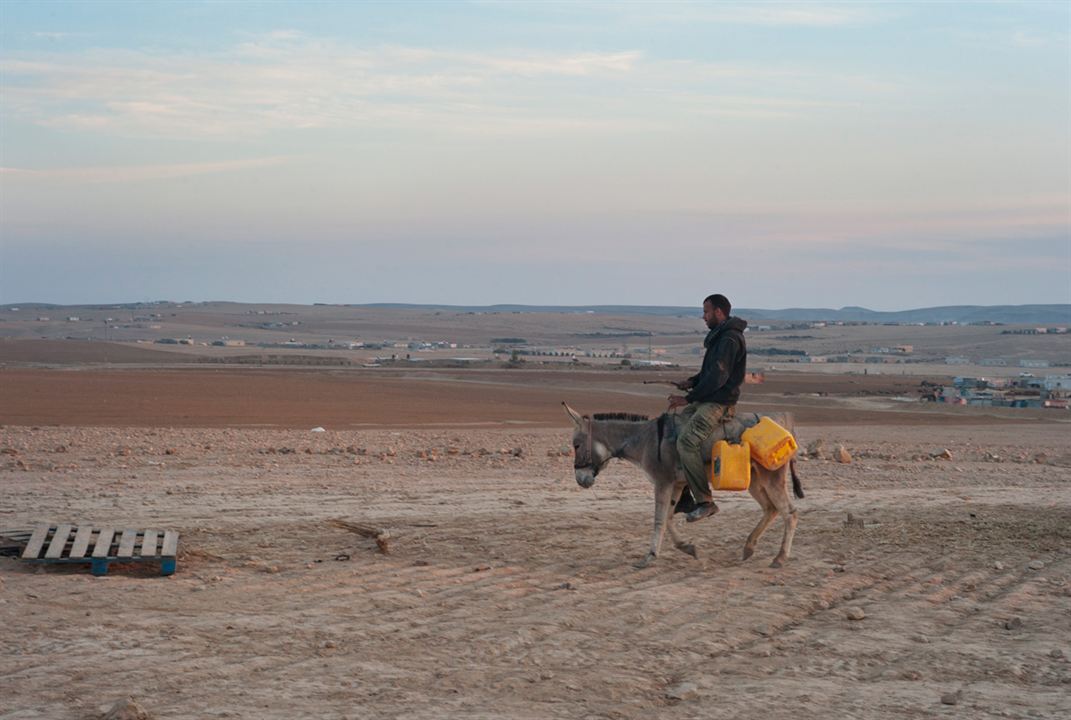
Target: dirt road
[509, 592]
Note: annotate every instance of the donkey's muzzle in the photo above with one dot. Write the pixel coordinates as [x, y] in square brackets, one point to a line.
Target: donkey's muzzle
[585, 478]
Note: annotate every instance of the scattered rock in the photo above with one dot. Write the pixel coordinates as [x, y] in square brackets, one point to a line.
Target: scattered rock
[682, 691]
[1056, 653]
[853, 522]
[1013, 623]
[126, 709]
[945, 454]
[998, 565]
[841, 455]
[815, 448]
[1036, 565]
[950, 698]
[317, 430]
[855, 613]
[123, 452]
[9, 451]
[330, 644]
[170, 451]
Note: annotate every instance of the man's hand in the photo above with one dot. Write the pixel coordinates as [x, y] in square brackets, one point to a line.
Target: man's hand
[676, 401]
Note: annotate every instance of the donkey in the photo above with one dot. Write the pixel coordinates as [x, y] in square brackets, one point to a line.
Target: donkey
[639, 440]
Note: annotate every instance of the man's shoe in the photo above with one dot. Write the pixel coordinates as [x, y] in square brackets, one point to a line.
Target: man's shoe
[704, 510]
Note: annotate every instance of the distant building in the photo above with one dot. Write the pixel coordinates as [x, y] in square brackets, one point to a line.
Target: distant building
[957, 360]
[1034, 363]
[1058, 382]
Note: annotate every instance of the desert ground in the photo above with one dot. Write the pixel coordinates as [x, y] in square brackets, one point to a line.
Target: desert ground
[931, 574]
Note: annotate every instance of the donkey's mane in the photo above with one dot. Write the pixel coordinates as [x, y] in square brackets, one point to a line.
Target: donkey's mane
[630, 417]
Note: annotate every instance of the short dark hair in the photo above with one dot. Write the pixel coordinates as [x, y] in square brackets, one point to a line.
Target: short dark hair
[720, 302]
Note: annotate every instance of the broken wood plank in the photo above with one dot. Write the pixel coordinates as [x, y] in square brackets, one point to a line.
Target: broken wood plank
[380, 535]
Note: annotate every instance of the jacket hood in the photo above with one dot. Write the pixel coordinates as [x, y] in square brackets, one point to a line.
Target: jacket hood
[732, 323]
[735, 323]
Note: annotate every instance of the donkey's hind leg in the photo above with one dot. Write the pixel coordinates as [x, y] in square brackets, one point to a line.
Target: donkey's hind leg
[769, 512]
[778, 494]
[679, 543]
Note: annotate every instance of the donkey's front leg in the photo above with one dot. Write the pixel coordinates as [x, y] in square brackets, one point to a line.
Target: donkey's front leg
[663, 506]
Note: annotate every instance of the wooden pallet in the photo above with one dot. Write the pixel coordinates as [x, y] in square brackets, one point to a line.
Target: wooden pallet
[99, 547]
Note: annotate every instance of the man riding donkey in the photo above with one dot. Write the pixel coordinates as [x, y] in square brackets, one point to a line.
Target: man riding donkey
[712, 396]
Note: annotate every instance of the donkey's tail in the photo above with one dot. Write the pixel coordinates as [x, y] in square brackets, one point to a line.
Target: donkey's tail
[797, 486]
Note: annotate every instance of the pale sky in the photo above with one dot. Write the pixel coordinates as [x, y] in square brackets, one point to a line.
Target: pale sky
[892, 156]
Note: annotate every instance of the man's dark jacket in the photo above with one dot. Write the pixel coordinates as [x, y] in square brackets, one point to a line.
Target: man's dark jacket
[724, 365]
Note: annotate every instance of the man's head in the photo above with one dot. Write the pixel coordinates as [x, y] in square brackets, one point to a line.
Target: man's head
[716, 309]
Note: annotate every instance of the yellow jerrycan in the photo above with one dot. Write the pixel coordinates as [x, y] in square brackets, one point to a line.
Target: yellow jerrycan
[730, 466]
[771, 445]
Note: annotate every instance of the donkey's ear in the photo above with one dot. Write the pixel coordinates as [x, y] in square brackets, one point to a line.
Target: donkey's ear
[577, 419]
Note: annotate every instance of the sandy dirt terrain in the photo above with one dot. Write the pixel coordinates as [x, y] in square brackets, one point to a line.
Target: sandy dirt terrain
[508, 591]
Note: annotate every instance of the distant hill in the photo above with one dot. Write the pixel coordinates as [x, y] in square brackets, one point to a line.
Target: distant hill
[1010, 314]
[1020, 314]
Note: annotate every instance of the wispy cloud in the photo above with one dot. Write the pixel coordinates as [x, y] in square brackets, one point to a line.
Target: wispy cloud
[784, 14]
[286, 80]
[140, 173]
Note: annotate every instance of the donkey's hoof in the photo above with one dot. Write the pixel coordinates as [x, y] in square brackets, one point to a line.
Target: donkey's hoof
[688, 548]
[776, 563]
[748, 552]
[647, 560]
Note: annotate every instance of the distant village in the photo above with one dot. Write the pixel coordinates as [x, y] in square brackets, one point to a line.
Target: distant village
[1025, 391]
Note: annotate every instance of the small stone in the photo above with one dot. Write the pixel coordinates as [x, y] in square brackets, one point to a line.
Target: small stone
[126, 709]
[1056, 653]
[271, 569]
[950, 698]
[682, 691]
[945, 454]
[1036, 565]
[998, 565]
[841, 455]
[170, 451]
[1013, 623]
[855, 613]
[815, 448]
[330, 645]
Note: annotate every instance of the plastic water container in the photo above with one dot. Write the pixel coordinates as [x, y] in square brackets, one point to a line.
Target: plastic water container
[771, 445]
[730, 466]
